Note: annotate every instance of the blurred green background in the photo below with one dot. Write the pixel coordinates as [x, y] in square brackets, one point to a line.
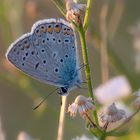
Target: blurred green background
[20, 93]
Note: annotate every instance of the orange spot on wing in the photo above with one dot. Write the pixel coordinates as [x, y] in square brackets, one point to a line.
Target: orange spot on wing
[50, 29]
[57, 28]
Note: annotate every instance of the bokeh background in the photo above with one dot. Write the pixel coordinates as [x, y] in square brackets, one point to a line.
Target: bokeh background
[20, 93]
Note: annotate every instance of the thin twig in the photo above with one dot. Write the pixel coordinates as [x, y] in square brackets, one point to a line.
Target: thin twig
[62, 119]
[115, 17]
[103, 48]
[89, 119]
[59, 6]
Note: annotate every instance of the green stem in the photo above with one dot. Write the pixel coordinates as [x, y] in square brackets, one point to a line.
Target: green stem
[86, 61]
[86, 18]
[103, 137]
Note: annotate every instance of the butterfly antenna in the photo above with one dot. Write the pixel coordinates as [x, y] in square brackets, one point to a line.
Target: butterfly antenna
[82, 66]
[45, 99]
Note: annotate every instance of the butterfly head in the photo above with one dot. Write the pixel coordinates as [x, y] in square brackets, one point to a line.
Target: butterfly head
[75, 83]
[63, 91]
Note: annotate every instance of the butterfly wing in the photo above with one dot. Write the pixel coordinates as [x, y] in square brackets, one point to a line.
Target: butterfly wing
[48, 53]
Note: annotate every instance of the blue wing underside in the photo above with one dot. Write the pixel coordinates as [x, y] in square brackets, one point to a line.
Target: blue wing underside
[48, 57]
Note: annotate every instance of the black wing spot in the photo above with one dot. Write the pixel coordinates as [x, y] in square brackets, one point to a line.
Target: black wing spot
[36, 66]
[67, 40]
[43, 27]
[44, 61]
[43, 41]
[42, 50]
[53, 39]
[56, 70]
[24, 58]
[54, 54]
[73, 47]
[19, 45]
[57, 25]
[22, 64]
[32, 53]
[37, 31]
[14, 49]
[26, 43]
[61, 60]
[49, 26]
[26, 54]
[66, 56]
[48, 39]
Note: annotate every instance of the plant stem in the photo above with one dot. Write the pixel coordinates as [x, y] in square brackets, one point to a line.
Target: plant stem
[86, 18]
[86, 61]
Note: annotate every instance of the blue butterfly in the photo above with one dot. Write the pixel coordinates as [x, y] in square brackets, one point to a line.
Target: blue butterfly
[49, 54]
